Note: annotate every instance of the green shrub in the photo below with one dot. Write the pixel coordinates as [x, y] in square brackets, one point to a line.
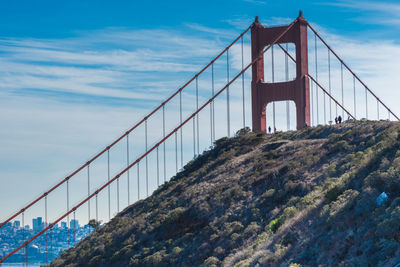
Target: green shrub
[333, 193]
[232, 227]
[251, 229]
[275, 224]
[339, 146]
[390, 226]
[176, 250]
[344, 202]
[331, 169]
[288, 212]
[211, 262]
[154, 259]
[242, 132]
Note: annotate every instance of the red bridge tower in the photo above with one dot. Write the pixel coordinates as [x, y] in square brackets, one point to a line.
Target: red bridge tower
[297, 90]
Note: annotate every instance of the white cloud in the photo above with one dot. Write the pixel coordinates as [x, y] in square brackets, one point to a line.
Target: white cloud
[380, 13]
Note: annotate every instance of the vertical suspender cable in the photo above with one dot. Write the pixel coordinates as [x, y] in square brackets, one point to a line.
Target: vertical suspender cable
[389, 115]
[180, 116]
[176, 152]
[227, 95]
[108, 187]
[273, 80]
[88, 190]
[316, 75]
[213, 106]
[194, 137]
[197, 116]
[158, 170]
[211, 116]
[329, 77]
[147, 165]
[377, 108]
[354, 90]
[127, 164]
[45, 221]
[366, 104]
[341, 79]
[287, 79]
[194, 124]
[23, 237]
[244, 110]
[312, 103]
[165, 165]
[138, 180]
[97, 207]
[68, 223]
[213, 103]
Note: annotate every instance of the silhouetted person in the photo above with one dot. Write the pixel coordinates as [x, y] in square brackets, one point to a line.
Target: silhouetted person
[269, 129]
[340, 119]
[336, 120]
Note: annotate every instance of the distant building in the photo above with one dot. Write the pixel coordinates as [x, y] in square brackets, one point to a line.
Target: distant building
[74, 224]
[63, 225]
[17, 224]
[37, 224]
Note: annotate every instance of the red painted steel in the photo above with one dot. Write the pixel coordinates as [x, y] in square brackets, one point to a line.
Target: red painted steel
[297, 90]
[347, 67]
[147, 152]
[126, 133]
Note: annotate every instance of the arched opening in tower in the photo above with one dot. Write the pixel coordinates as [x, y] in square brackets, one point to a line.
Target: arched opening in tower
[285, 116]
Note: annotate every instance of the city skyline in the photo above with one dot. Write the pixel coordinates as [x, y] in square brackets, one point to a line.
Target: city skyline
[17, 223]
[45, 247]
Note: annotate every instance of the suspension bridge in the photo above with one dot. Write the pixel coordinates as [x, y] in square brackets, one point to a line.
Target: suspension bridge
[211, 105]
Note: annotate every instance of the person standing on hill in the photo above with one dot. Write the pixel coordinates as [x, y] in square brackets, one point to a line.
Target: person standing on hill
[336, 120]
[340, 119]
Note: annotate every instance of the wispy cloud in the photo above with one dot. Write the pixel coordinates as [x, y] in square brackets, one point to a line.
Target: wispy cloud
[379, 13]
[216, 31]
[277, 21]
[376, 6]
[100, 63]
[257, 2]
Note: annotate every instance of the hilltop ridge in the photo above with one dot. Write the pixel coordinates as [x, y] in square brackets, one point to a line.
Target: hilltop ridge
[300, 198]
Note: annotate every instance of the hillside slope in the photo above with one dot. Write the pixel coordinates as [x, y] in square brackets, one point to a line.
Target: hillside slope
[306, 197]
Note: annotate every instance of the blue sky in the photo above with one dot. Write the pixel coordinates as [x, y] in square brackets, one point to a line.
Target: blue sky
[74, 75]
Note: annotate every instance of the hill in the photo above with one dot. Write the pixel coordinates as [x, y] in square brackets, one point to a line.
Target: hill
[300, 198]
